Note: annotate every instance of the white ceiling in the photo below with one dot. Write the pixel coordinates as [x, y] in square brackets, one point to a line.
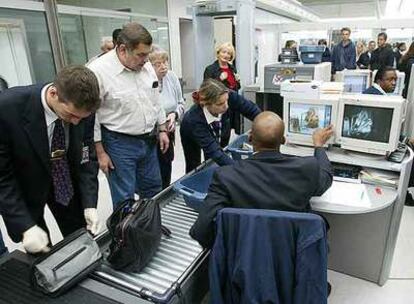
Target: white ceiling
[327, 9]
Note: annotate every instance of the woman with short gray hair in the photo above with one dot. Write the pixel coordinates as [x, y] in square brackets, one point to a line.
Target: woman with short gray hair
[173, 103]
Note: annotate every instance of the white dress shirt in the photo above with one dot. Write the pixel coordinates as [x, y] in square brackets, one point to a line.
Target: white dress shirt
[210, 117]
[378, 87]
[130, 103]
[51, 117]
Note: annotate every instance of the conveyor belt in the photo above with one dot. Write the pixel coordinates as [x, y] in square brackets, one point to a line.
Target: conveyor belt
[173, 261]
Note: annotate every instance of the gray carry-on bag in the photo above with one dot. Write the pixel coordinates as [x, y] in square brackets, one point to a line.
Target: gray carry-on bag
[67, 263]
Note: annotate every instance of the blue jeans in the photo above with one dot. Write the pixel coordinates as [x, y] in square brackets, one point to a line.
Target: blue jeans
[136, 166]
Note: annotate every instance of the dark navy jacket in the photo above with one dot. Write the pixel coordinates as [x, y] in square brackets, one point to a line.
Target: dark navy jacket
[349, 62]
[196, 133]
[266, 180]
[372, 90]
[267, 256]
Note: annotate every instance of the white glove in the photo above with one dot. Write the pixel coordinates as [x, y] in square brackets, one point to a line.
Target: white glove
[35, 240]
[92, 220]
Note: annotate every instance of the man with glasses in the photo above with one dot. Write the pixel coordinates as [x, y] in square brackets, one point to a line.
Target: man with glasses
[130, 118]
[47, 156]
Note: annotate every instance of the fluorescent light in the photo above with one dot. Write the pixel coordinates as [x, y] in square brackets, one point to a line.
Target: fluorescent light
[398, 8]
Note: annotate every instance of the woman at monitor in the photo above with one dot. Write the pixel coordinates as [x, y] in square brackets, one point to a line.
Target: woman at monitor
[206, 126]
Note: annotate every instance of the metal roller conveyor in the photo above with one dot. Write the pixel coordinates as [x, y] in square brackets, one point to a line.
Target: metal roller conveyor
[173, 261]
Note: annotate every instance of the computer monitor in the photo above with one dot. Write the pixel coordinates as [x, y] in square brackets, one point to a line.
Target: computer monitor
[370, 123]
[355, 81]
[303, 116]
[399, 87]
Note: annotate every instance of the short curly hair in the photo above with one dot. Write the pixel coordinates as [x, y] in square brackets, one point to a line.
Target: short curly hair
[228, 46]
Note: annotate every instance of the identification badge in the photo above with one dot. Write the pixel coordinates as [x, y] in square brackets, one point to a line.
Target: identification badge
[85, 155]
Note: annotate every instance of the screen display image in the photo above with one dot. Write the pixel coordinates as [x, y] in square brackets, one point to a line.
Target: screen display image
[355, 84]
[305, 118]
[367, 123]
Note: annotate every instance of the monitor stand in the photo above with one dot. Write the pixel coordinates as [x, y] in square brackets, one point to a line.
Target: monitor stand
[363, 155]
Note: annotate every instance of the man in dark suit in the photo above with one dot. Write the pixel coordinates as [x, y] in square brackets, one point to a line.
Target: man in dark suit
[384, 82]
[47, 156]
[268, 179]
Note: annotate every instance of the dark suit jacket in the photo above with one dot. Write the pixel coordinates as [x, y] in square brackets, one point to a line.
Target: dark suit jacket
[363, 60]
[406, 68]
[196, 133]
[382, 57]
[214, 71]
[25, 170]
[373, 91]
[267, 180]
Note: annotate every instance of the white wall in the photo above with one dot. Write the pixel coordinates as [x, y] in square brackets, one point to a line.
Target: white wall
[187, 54]
[223, 31]
[176, 10]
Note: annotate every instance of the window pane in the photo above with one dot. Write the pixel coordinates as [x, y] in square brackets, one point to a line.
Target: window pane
[26, 41]
[96, 29]
[73, 39]
[153, 7]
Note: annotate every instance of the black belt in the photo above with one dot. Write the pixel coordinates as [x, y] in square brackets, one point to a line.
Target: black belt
[146, 136]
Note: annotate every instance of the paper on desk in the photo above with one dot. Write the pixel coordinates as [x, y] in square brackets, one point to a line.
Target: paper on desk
[346, 194]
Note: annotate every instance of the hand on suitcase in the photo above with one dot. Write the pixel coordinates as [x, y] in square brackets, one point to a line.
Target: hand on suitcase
[93, 224]
[35, 240]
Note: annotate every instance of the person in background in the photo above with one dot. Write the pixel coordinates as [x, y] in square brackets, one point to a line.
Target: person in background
[384, 82]
[398, 53]
[3, 84]
[173, 103]
[383, 55]
[224, 71]
[290, 44]
[365, 58]
[106, 45]
[47, 156]
[360, 49]
[268, 179]
[130, 118]
[115, 34]
[405, 64]
[206, 125]
[326, 56]
[344, 54]
[3, 249]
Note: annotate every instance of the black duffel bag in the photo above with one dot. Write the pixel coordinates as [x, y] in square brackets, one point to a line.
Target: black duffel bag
[135, 228]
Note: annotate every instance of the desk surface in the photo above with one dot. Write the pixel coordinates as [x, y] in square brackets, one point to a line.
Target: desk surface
[349, 198]
[347, 157]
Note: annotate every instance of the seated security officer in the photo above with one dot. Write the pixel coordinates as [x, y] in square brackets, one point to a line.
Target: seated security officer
[384, 82]
[268, 179]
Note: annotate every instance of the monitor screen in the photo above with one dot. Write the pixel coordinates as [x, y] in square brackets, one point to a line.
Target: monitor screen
[367, 123]
[304, 118]
[355, 83]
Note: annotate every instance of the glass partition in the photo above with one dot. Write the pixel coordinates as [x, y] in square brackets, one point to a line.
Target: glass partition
[153, 7]
[26, 54]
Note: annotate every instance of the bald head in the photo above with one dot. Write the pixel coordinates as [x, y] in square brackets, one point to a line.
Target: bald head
[267, 131]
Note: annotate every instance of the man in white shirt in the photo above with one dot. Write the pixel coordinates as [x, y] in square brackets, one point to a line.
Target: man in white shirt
[130, 116]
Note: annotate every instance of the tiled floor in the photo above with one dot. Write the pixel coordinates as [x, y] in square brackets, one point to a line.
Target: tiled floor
[345, 289]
